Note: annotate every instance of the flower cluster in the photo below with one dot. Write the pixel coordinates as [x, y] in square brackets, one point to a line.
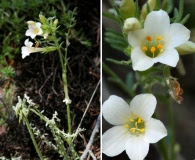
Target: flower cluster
[38, 29]
[134, 127]
[22, 107]
[28, 48]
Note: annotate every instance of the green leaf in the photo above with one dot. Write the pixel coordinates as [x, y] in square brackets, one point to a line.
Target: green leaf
[184, 20]
[158, 5]
[116, 39]
[186, 48]
[166, 72]
[137, 10]
[147, 7]
[125, 63]
[128, 50]
[110, 16]
[118, 14]
[127, 9]
[129, 80]
[7, 71]
[180, 12]
[167, 5]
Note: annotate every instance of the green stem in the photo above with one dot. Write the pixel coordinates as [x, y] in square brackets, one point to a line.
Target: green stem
[69, 119]
[162, 144]
[33, 138]
[64, 77]
[118, 80]
[163, 149]
[69, 141]
[171, 133]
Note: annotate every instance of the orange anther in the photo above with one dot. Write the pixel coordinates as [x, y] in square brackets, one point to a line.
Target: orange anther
[152, 49]
[139, 120]
[158, 38]
[149, 38]
[145, 48]
[159, 46]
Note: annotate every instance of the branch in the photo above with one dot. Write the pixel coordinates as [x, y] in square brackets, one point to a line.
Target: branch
[91, 140]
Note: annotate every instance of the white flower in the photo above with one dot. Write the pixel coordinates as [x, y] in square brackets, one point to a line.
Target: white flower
[67, 100]
[34, 29]
[27, 49]
[134, 127]
[30, 102]
[156, 42]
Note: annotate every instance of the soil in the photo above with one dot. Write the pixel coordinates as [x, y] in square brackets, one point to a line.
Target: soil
[39, 76]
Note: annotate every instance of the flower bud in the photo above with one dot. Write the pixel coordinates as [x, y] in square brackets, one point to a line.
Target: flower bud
[55, 22]
[131, 24]
[42, 18]
[152, 4]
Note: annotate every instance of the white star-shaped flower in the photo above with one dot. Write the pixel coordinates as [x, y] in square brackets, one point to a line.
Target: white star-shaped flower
[67, 100]
[27, 49]
[134, 128]
[34, 29]
[156, 42]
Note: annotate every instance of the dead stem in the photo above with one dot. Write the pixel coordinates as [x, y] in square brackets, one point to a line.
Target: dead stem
[91, 140]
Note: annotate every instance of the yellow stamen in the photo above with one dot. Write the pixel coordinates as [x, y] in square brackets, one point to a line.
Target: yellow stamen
[127, 126]
[145, 48]
[152, 49]
[159, 46]
[36, 31]
[158, 38]
[142, 130]
[133, 130]
[149, 38]
[132, 120]
[139, 120]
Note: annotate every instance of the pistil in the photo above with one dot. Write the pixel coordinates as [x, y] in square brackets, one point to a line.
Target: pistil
[136, 126]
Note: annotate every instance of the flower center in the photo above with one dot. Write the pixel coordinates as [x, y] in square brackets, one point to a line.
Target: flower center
[36, 30]
[153, 46]
[136, 126]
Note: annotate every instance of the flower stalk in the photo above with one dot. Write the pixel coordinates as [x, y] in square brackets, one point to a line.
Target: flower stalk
[64, 77]
[171, 128]
[33, 138]
[59, 134]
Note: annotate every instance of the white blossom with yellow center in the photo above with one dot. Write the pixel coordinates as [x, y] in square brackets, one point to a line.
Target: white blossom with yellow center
[34, 29]
[156, 42]
[134, 127]
[27, 49]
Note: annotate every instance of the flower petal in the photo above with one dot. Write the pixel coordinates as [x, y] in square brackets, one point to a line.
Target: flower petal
[140, 61]
[157, 23]
[30, 33]
[28, 43]
[25, 52]
[137, 148]
[115, 110]
[177, 35]
[135, 38]
[114, 139]
[38, 24]
[154, 130]
[169, 57]
[143, 105]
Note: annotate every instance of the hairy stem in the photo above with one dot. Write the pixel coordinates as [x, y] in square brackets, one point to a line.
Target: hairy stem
[33, 138]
